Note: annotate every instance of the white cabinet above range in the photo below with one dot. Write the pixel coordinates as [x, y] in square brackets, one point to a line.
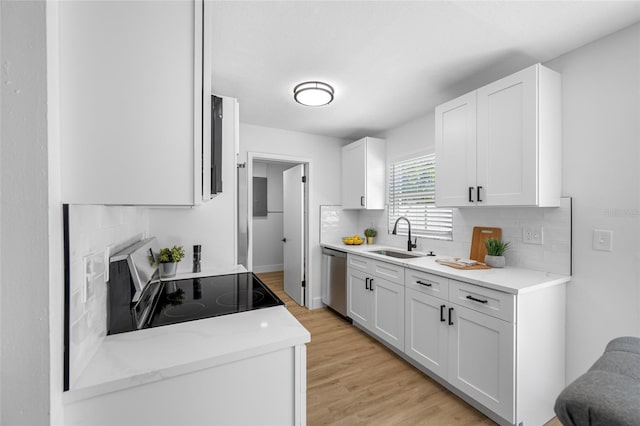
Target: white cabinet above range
[363, 174]
[134, 104]
[500, 145]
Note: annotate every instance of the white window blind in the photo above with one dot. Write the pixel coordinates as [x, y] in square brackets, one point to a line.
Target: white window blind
[412, 193]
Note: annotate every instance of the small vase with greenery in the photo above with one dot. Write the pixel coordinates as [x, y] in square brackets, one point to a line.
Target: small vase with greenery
[168, 259]
[495, 253]
[370, 233]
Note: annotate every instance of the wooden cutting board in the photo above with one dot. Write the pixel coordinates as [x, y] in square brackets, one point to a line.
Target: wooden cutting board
[464, 268]
[480, 235]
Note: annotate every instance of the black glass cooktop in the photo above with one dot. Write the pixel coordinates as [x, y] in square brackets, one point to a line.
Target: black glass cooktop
[197, 298]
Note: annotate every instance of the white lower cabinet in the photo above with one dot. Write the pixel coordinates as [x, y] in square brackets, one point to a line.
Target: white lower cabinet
[374, 303]
[502, 352]
[359, 297]
[481, 359]
[388, 311]
[471, 350]
[426, 335]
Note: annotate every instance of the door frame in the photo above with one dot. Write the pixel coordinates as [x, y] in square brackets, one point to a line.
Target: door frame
[281, 158]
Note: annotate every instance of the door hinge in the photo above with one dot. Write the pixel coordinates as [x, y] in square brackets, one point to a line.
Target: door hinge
[304, 179]
[304, 283]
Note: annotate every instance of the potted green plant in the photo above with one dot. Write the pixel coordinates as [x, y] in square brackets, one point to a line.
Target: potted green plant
[168, 259]
[495, 253]
[370, 233]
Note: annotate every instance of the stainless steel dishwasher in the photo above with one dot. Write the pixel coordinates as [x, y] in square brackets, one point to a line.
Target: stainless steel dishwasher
[334, 280]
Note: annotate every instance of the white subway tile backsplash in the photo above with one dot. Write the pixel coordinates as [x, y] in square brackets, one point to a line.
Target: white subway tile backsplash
[91, 230]
[554, 255]
[336, 223]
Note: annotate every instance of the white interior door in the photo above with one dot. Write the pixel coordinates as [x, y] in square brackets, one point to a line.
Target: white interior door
[293, 238]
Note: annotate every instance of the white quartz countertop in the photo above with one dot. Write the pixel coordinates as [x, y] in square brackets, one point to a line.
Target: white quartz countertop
[508, 279]
[134, 358]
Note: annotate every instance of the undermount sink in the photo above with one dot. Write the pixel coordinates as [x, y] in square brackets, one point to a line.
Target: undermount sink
[396, 254]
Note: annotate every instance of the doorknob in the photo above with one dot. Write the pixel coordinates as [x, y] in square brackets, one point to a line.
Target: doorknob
[284, 240]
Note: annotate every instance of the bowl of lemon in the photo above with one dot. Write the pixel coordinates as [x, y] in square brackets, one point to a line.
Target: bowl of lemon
[353, 241]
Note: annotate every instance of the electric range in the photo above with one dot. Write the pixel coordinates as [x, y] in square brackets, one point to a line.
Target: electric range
[137, 299]
[197, 298]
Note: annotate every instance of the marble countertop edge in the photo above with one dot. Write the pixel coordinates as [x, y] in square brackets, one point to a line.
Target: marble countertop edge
[509, 279]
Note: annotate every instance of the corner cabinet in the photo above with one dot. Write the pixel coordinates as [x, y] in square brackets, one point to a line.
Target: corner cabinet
[363, 174]
[134, 83]
[500, 145]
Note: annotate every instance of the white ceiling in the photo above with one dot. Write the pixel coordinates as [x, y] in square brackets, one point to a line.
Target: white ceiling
[389, 61]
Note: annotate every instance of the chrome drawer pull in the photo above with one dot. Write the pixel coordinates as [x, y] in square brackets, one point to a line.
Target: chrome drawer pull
[424, 283]
[477, 300]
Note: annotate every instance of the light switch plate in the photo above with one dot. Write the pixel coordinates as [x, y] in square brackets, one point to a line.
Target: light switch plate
[602, 240]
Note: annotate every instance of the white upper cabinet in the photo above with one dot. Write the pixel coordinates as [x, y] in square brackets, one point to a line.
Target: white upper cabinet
[456, 150]
[501, 144]
[363, 174]
[134, 82]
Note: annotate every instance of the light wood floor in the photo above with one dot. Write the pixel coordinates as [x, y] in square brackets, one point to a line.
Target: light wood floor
[354, 380]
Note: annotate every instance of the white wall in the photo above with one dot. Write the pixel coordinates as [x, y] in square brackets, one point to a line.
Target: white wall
[600, 169]
[416, 137]
[24, 218]
[212, 224]
[268, 249]
[324, 178]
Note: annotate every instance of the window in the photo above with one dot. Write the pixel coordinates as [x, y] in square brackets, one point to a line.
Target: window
[412, 191]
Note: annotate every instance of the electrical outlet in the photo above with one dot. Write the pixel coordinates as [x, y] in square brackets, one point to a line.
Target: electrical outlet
[602, 240]
[533, 235]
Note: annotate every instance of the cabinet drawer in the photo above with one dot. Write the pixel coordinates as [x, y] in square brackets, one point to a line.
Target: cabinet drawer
[425, 282]
[491, 302]
[358, 262]
[388, 271]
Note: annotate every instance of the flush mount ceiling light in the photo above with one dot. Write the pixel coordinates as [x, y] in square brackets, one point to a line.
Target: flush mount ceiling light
[313, 93]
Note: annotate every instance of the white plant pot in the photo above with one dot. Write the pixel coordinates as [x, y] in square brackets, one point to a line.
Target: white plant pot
[495, 261]
[168, 270]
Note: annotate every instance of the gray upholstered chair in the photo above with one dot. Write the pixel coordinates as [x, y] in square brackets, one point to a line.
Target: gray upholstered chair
[609, 393]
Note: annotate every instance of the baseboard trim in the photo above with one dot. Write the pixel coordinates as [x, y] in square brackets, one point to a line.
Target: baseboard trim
[316, 303]
[267, 268]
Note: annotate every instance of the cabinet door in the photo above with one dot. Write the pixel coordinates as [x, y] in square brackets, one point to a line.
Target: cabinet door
[353, 175]
[131, 99]
[482, 359]
[507, 140]
[426, 331]
[388, 311]
[359, 297]
[456, 152]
